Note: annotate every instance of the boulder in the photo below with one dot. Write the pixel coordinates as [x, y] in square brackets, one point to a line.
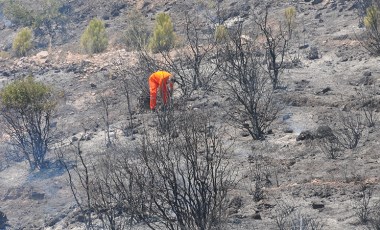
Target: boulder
[42, 55]
[256, 216]
[305, 135]
[323, 131]
[313, 53]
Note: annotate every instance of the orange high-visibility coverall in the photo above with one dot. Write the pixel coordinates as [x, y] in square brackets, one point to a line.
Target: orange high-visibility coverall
[157, 80]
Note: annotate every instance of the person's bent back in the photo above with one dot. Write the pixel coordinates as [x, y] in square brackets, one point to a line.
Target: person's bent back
[160, 80]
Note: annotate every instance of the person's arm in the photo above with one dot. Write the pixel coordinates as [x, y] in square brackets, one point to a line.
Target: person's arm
[153, 93]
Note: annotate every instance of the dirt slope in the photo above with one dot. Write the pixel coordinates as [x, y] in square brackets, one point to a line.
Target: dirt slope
[43, 200]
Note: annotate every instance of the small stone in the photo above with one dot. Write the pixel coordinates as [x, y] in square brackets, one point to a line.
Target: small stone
[314, 2]
[313, 53]
[256, 216]
[317, 205]
[288, 130]
[36, 196]
[286, 117]
[244, 133]
[367, 73]
[305, 135]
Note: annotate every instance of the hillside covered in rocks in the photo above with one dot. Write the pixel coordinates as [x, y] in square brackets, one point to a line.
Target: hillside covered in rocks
[313, 164]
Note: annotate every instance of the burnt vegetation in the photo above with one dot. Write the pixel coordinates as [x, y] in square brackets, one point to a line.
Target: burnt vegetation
[174, 168]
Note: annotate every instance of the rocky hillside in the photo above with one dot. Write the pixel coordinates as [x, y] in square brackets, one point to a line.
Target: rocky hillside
[332, 68]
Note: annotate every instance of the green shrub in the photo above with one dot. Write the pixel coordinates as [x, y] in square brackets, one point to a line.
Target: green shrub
[94, 38]
[27, 107]
[371, 40]
[163, 38]
[371, 20]
[221, 34]
[22, 42]
[290, 15]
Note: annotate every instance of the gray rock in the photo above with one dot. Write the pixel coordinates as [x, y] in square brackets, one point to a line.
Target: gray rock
[305, 135]
[286, 117]
[244, 133]
[323, 131]
[313, 53]
[288, 130]
[256, 216]
[366, 80]
[314, 2]
[367, 73]
[317, 205]
[324, 90]
[36, 195]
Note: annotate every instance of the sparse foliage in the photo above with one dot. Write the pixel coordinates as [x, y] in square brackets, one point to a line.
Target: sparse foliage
[105, 102]
[350, 129]
[345, 133]
[330, 146]
[289, 218]
[42, 16]
[253, 103]
[137, 34]
[22, 42]
[163, 38]
[193, 63]
[189, 176]
[371, 39]
[27, 107]
[260, 177]
[290, 15]
[18, 12]
[171, 182]
[368, 104]
[32, 13]
[94, 38]
[362, 206]
[276, 45]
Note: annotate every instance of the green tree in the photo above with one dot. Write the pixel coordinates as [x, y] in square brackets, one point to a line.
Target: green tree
[94, 39]
[163, 38]
[22, 42]
[27, 107]
[371, 40]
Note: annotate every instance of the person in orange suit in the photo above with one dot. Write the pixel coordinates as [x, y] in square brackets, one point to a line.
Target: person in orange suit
[162, 81]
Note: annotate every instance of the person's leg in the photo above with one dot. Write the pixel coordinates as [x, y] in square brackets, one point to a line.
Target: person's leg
[164, 92]
[153, 93]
